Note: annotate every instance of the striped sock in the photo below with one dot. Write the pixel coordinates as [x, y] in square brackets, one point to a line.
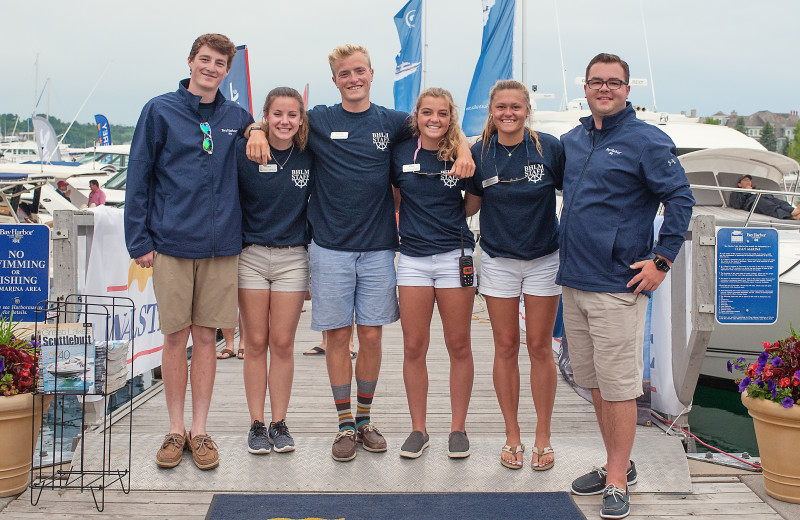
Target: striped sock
[341, 396]
[366, 391]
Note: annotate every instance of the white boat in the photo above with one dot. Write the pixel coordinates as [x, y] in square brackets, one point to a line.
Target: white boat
[721, 169]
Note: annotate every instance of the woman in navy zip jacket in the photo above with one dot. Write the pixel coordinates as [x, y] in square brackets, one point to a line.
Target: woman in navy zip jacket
[517, 173]
[433, 232]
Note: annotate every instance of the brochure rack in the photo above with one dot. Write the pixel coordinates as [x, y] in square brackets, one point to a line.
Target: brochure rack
[96, 466]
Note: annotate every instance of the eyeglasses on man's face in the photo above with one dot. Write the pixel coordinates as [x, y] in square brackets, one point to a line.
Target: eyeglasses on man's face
[612, 84]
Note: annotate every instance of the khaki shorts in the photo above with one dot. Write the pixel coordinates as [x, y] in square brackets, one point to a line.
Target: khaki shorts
[281, 269]
[605, 334]
[195, 291]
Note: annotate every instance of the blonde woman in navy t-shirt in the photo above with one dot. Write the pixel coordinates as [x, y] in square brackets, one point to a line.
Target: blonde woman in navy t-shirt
[273, 266]
[517, 173]
[433, 229]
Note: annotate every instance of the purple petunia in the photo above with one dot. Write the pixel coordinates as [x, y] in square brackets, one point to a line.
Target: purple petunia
[2, 364]
[730, 367]
[774, 390]
[744, 384]
[776, 362]
[762, 358]
[787, 402]
[758, 382]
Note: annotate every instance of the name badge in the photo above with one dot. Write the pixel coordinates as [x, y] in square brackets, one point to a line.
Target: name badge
[490, 181]
[339, 135]
[410, 168]
[269, 168]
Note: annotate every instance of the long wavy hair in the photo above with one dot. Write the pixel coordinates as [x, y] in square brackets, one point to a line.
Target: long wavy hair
[490, 129]
[449, 143]
[301, 137]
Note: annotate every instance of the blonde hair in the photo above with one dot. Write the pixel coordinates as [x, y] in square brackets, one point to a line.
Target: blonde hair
[301, 137]
[491, 129]
[449, 143]
[345, 51]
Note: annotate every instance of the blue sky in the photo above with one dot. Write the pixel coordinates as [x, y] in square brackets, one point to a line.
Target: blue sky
[707, 55]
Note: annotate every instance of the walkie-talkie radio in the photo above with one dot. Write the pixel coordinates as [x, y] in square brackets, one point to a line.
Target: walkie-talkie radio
[465, 267]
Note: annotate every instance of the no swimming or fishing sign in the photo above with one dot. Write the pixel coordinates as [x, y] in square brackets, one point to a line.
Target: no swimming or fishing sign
[24, 270]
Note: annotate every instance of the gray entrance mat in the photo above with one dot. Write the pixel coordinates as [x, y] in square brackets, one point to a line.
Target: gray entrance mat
[660, 461]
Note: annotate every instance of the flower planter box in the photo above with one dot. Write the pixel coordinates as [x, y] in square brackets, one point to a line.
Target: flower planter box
[778, 435]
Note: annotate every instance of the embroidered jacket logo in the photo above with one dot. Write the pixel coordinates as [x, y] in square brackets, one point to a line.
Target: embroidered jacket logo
[534, 172]
[381, 140]
[612, 151]
[300, 178]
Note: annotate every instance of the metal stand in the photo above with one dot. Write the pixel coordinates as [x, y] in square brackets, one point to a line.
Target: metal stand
[94, 469]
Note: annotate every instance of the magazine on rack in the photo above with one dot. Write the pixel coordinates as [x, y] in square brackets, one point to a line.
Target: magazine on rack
[67, 361]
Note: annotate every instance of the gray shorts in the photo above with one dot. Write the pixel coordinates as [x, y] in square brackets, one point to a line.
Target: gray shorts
[605, 332]
[281, 269]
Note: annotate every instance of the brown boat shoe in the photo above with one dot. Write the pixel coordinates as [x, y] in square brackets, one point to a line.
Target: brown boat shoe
[370, 437]
[171, 451]
[204, 451]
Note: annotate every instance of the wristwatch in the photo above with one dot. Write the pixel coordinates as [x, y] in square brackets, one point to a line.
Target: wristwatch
[256, 127]
[661, 264]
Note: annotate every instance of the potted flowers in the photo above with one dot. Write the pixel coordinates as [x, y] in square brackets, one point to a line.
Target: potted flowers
[18, 365]
[771, 392]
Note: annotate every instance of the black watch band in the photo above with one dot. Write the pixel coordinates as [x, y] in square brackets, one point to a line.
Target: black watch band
[661, 264]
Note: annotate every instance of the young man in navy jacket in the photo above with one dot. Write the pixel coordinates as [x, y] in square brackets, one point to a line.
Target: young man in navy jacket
[618, 171]
[183, 219]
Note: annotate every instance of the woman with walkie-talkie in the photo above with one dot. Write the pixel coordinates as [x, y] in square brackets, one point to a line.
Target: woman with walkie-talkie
[517, 173]
[435, 264]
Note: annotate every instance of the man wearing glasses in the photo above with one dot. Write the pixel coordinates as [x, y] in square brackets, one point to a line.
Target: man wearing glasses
[182, 218]
[618, 171]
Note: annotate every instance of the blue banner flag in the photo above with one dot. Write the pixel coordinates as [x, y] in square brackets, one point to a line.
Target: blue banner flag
[236, 85]
[408, 73]
[495, 62]
[103, 130]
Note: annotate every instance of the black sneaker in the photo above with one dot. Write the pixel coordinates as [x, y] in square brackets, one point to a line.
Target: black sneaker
[594, 482]
[415, 444]
[458, 445]
[257, 439]
[616, 503]
[280, 437]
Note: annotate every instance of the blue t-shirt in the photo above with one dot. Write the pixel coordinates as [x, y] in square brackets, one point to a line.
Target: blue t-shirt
[274, 201]
[351, 206]
[432, 215]
[518, 218]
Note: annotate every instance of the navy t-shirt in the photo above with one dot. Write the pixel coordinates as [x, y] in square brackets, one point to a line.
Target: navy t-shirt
[351, 206]
[274, 199]
[432, 215]
[518, 219]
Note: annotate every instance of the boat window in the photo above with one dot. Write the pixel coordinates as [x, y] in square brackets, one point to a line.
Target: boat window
[118, 180]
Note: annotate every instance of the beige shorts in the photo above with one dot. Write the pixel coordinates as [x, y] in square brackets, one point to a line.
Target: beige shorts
[195, 291]
[281, 269]
[605, 334]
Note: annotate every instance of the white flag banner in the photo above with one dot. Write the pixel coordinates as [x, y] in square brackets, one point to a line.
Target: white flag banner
[46, 140]
[111, 272]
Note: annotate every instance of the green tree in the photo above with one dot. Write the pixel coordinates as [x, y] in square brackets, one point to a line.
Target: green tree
[711, 121]
[768, 138]
[740, 125]
[793, 150]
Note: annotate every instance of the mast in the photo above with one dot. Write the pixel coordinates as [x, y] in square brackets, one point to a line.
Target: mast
[561, 54]
[424, 44]
[649, 63]
[524, 52]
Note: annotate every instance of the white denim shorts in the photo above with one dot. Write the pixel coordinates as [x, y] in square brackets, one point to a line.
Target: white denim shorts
[440, 271]
[509, 278]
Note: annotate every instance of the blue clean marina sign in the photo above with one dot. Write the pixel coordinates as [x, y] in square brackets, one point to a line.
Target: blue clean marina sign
[747, 276]
[24, 269]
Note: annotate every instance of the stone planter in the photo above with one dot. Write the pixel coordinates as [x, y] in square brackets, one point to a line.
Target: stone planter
[778, 435]
[17, 422]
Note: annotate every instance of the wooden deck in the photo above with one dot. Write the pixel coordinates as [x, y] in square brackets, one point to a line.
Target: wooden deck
[311, 414]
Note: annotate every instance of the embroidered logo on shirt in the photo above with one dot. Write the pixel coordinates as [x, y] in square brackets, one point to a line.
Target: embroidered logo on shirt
[671, 162]
[300, 178]
[612, 151]
[381, 140]
[534, 172]
[449, 180]
[229, 131]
